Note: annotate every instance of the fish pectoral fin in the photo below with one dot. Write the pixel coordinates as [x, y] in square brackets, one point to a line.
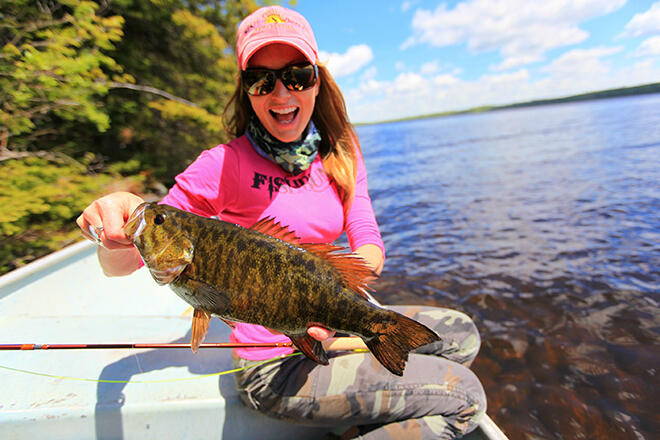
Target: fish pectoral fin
[310, 347]
[200, 326]
[207, 297]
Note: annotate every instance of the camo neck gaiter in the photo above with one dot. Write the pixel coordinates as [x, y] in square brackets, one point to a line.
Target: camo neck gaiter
[293, 157]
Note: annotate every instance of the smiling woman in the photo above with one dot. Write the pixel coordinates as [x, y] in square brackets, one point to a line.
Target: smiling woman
[297, 159]
[283, 112]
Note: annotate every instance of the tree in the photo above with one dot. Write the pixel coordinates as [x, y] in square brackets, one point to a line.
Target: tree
[101, 96]
[184, 48]
[54, 67]
[124, 79]
[41, 197]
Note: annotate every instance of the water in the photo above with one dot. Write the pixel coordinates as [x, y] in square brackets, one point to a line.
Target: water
[543, 224]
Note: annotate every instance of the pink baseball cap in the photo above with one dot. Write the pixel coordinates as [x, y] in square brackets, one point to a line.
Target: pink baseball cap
[274, 24]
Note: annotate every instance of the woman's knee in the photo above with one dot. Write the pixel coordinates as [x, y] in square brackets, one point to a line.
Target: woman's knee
[460, 337]
[462, 333]
[451, 404]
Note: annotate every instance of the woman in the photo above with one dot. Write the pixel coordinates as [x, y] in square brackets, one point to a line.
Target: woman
[296, 157]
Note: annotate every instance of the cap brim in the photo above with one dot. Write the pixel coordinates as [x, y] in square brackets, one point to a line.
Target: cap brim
[297, 43]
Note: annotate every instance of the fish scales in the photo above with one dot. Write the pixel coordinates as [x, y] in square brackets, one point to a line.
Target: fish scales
[299, 286]
[245, 274]
[254, 256]
[255, 284]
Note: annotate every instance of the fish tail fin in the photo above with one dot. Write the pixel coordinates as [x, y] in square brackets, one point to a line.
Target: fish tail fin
[310, 348]
[392, 341]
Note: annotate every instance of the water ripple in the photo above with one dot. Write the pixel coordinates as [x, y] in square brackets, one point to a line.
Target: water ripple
[543, 224]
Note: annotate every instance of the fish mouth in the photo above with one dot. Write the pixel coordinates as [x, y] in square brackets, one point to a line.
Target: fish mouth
[135, 224]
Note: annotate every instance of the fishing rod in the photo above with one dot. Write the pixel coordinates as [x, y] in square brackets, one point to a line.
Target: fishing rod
[333, 344]
[140, 345]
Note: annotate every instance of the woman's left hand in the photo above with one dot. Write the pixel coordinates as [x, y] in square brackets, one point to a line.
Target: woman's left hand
[331, 343]
[320, 333]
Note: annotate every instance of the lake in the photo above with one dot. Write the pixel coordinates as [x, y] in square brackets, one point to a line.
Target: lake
[543, 224]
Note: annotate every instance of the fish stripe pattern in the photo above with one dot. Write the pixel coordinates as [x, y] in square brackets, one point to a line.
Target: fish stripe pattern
[264, 275]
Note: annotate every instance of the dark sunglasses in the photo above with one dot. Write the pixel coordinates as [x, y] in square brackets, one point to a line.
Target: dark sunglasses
[296, 77]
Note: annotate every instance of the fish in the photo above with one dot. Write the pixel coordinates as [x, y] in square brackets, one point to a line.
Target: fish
[265, 275]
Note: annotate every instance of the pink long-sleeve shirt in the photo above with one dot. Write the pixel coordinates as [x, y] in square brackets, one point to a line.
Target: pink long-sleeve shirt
[235, 183]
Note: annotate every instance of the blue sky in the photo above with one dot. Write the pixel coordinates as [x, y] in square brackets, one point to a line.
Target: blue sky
[405, 58]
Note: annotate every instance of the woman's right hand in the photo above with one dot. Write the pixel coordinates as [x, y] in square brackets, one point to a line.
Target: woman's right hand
[107, 216]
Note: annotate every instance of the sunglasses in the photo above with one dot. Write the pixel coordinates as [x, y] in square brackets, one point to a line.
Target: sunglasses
[297, 77]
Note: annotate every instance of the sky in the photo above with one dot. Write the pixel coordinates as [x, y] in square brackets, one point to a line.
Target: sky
[395, 59]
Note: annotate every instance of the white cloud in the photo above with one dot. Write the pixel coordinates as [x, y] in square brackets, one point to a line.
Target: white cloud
[645, 23]
[515, 61]
[355, 58]
[409, 82]
[430, 67]
[369, 74]
[521, 30]
[400, 65]
[649, 47]
[581, 62]
[506, 78]
[414, 94]
[445, 80]
[457, 71]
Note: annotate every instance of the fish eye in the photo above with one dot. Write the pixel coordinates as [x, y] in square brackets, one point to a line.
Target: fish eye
[159, 219]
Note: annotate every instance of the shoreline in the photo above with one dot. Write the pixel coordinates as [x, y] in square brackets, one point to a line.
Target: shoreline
[644, 89]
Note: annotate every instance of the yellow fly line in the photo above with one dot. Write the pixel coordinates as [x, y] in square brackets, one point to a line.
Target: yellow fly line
[180, 379]
[201, 376]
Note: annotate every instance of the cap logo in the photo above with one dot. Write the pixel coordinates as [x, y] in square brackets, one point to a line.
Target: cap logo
[275, 18]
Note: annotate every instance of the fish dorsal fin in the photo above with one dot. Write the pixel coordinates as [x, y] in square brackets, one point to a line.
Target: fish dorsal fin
[269, 226]
[353, 268]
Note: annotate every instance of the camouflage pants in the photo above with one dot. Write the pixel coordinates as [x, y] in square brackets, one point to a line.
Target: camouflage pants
[437, 396]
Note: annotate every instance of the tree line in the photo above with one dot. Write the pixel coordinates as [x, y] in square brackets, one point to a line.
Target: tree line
[105, 95]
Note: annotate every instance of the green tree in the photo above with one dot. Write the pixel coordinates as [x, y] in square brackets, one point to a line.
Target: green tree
[184, 49]
[131, 79]
[54, 73]
[54, 68]
[97, 96]
[40, 198]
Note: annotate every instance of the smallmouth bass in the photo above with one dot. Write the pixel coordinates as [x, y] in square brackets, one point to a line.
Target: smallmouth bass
[264, 275]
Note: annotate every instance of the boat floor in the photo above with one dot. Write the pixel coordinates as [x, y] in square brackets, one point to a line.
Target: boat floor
[145, 394]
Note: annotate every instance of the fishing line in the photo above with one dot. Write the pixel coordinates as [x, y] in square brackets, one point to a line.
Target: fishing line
[137, 359]
[180, 379]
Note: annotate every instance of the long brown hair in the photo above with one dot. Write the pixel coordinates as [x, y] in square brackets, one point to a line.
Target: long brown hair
[339, 141]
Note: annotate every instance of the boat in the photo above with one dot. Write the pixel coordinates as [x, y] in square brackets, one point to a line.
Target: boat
[64, 298]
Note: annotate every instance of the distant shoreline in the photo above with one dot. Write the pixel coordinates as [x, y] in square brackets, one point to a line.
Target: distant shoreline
[644, 89]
